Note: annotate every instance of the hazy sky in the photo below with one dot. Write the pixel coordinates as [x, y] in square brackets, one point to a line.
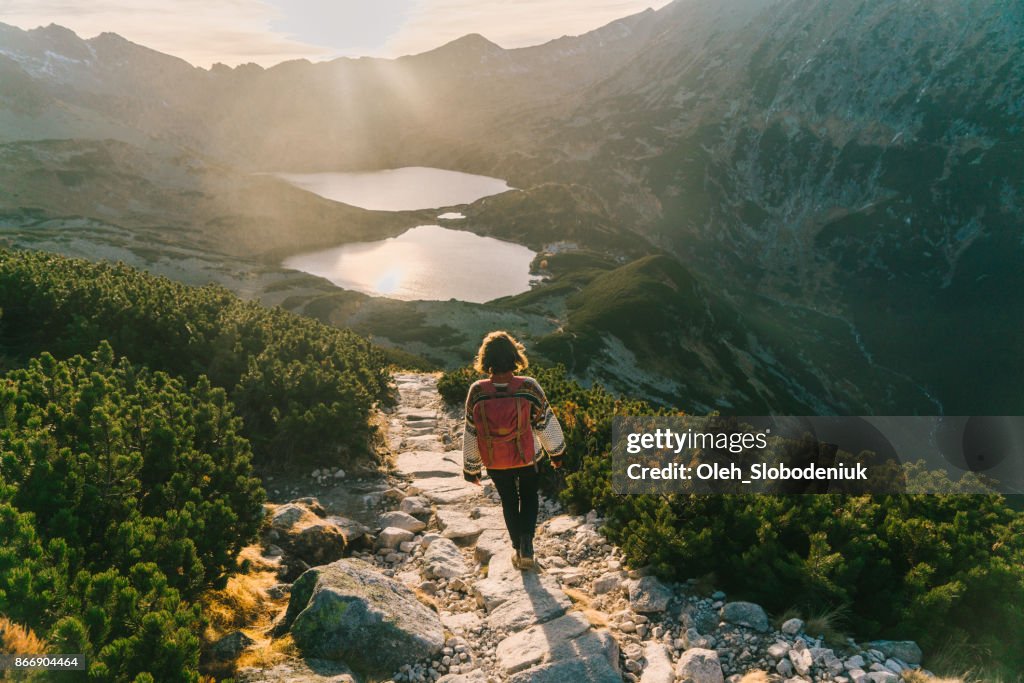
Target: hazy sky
[271, 31]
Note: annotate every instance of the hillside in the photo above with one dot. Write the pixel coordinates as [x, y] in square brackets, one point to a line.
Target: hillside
[837, 174]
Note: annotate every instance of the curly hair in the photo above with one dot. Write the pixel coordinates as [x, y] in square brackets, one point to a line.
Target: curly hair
[500, 352]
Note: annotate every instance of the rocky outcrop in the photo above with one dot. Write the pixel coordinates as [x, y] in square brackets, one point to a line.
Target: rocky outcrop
[348, 611]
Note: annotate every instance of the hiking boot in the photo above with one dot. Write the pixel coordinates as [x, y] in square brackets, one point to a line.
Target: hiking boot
[516, 560]
[526, 552]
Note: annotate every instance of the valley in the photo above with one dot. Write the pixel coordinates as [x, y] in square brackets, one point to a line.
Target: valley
[763, 215]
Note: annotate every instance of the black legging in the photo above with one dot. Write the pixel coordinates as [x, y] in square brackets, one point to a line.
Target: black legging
[518, 491]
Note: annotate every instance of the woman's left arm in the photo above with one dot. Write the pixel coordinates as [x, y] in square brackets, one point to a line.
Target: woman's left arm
[548, 429]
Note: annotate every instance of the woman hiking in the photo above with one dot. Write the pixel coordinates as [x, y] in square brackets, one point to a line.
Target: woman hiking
[509, 427]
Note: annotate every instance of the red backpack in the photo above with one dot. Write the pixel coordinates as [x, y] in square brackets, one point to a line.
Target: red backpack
[504, 433]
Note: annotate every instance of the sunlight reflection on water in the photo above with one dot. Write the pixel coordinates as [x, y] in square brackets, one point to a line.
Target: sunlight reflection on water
[427, 262]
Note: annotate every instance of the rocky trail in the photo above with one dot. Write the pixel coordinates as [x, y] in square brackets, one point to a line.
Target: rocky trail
[431, 593]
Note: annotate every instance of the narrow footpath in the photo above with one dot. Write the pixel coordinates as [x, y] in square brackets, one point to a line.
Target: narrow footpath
[518, 626]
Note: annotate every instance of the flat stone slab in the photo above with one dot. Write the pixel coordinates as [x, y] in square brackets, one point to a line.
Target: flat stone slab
[587, 670]
[515, 599]
[458, 526]
[537, 644]
[490, 543]
[445, 490]
[538, 606]
[416, 414]
[422, 464]
[561, 524]
[659, 664]
[424, 442]
[460, 621]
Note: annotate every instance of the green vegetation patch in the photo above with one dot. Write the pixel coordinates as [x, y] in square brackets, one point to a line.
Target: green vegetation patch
[123, 494]
[304, 390]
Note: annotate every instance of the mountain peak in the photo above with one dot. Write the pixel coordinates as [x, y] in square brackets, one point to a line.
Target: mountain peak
[472, 43]
[474, 40]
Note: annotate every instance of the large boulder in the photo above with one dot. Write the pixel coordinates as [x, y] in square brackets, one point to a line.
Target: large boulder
[745, 614]
[698, 665]
[350, 612]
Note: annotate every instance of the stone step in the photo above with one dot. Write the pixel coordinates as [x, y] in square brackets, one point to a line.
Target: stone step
[445, 490]
[427, 442]
[421, 464]
[416, 414]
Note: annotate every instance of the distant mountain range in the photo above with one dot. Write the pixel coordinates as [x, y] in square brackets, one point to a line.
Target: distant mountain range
[843, 179]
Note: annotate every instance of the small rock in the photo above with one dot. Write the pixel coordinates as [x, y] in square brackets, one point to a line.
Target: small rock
[401, 520]
[791, 627]
[648, 594]
[443, 559]
[393, 537]
[802, 660]
[606, 583]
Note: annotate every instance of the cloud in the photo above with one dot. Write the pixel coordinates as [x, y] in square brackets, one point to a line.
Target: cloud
[509, 23]
[199, 31]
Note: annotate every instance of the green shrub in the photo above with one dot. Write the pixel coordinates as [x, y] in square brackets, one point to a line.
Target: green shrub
[454, 385]
[304, 390]
[123, 494]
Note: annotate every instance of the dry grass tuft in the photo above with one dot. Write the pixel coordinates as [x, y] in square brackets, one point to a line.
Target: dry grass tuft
[755, 677]
[16, 639]
[912, 676]
[241, 603]
[427, 599]
[597, 618]
[578, 597]
[826, 625]
[267, 653]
